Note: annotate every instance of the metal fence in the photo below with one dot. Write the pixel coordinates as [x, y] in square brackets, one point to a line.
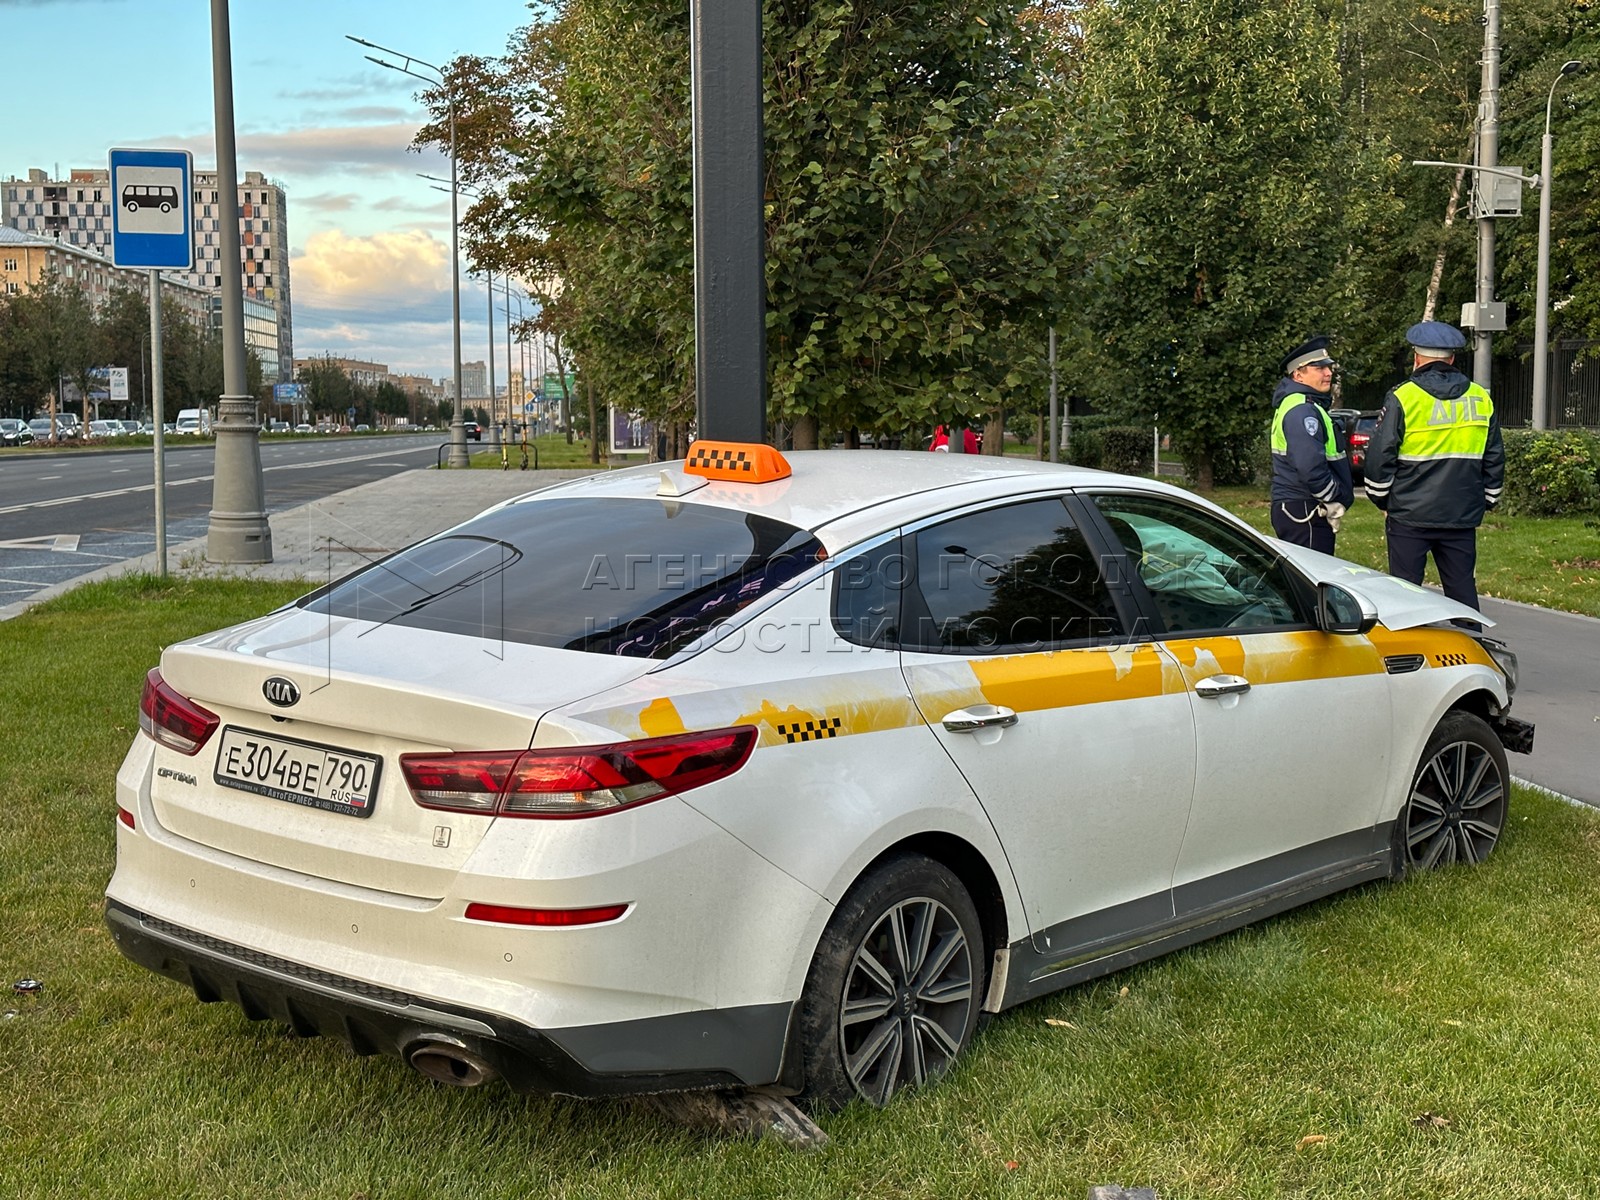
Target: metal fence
[1574, 382]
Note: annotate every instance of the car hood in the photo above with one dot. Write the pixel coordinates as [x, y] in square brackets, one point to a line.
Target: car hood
[1400, 605]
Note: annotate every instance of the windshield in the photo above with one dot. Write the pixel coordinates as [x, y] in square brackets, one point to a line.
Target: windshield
[635, 578]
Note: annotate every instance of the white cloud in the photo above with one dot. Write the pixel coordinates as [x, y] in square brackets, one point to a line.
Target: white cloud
[338, 270]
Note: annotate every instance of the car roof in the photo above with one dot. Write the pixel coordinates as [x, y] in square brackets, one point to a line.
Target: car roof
[845, 496]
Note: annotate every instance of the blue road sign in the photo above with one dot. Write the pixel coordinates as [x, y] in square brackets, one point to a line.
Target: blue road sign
[286, 392]
[153, 221]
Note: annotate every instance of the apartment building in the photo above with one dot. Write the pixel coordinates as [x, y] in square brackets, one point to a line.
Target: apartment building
[79, 210]
[25, 258]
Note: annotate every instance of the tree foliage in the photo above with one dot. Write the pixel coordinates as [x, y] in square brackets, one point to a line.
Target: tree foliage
[1184, 190]
[54, 333]
[914, 237]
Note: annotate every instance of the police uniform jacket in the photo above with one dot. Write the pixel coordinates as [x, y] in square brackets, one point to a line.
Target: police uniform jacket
[1436, 460]
[1307, 461]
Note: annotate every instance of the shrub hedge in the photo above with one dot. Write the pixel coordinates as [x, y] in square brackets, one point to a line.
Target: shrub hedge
[1552, 473]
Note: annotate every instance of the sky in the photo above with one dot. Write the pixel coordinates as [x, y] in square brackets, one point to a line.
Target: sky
[369, 240]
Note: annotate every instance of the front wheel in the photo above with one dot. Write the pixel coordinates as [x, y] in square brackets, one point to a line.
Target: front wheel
[1459, 795]
[895, 988]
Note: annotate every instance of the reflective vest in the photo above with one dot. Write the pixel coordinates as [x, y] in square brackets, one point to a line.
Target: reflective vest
[1280, 443]
[1437, 428]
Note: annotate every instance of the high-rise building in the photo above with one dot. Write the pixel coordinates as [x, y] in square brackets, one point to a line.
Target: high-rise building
[79, 211]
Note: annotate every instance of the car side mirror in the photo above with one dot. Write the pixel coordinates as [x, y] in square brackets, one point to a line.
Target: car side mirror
[1342, 611]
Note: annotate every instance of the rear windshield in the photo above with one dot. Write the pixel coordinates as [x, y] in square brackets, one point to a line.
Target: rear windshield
[610, 576]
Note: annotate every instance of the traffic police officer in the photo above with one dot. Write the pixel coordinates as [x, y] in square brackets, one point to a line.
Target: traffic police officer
[1435, 464]
[1310, 474]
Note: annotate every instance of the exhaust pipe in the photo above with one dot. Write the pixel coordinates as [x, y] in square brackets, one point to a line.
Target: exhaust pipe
[448, 1061]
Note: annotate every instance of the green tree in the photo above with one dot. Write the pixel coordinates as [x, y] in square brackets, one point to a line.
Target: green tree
[1218, 160]
[913, 241]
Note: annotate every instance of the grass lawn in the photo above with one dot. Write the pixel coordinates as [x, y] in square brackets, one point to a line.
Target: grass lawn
[1437, 1037]
[553, 452]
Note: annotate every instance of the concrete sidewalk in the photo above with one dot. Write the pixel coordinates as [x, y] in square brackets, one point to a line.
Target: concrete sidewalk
[323, 540]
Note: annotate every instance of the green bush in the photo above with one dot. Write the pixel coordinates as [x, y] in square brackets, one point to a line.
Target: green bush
[1126, 449]
[1551, 473]
[1087, 448]
[1237, 462]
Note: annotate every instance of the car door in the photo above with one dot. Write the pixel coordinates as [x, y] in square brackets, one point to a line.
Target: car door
[1277, 704]
[1076, 737]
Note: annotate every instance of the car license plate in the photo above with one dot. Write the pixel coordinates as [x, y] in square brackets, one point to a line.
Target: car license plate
[308, 773]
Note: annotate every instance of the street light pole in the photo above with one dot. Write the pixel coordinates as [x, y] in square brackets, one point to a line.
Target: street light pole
[1541, 335]
[458, 431]
[1488, 157]
[238, 531]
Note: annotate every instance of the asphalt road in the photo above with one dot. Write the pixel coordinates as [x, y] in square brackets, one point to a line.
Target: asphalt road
[1558, 660]
[65, 514]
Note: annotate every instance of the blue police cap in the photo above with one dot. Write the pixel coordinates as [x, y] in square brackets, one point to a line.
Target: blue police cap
[1313, 352]
[1436, 338]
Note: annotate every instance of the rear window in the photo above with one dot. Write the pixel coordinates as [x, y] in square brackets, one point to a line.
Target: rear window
[609, 576]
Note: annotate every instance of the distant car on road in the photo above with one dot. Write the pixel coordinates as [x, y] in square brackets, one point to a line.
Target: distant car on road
[104, 429]
[42, 431]
[474, 430]
[14, 432]
[363, 428]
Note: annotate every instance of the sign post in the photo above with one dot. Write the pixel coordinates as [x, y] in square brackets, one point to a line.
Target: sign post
[153, 228]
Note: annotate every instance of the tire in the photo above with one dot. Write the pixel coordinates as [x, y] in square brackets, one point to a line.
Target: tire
[1457, 805]
[894, 991]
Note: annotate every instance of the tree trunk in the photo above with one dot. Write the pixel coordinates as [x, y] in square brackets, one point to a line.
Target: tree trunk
[994, 433]
[1202, 471]
[805, 432]
[594, 425]
[1437, 277]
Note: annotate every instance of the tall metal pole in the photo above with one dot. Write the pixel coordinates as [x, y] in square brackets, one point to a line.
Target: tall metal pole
[494, 404]
[1541, 333]
[1055, 404]
[511, 410]
[730, 287]
[154, 379]
[458, 431]
[238, 532]
[1488, 156]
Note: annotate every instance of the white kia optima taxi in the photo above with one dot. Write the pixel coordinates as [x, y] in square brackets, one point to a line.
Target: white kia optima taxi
[746, 771]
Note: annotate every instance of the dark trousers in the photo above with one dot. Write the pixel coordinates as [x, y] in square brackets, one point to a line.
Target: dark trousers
[1455, 553]
[1299, 522]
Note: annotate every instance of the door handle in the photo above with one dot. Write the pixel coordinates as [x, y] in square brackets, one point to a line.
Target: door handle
[1222, 685]
[979, 716]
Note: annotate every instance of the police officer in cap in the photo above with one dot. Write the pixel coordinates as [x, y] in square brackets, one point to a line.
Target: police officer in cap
[1310, 475]
[1435, 464]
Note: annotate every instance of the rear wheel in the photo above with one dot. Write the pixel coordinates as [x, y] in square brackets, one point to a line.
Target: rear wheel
[1457, 806]
[896, 985]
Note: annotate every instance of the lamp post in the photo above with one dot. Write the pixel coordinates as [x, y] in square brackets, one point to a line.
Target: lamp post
[458, 431]
[1541, 334]
[238, 531]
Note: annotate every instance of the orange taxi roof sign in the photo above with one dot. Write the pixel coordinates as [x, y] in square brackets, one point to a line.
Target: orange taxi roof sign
[748, 462]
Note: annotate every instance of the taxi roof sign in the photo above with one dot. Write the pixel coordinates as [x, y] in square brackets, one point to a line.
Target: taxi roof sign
[747, 462]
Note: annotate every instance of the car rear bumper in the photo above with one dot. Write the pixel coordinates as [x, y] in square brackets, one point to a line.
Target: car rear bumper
[714, 1048]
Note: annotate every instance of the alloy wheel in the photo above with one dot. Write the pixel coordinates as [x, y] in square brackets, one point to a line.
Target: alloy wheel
[1457, 807]
[908, 998]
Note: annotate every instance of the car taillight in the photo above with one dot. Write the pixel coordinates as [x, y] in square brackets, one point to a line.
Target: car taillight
[575, 781]
[173, 720]
[544, 918]
[1359, 439]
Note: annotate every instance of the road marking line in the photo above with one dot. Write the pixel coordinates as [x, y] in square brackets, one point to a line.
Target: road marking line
[150, 487]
